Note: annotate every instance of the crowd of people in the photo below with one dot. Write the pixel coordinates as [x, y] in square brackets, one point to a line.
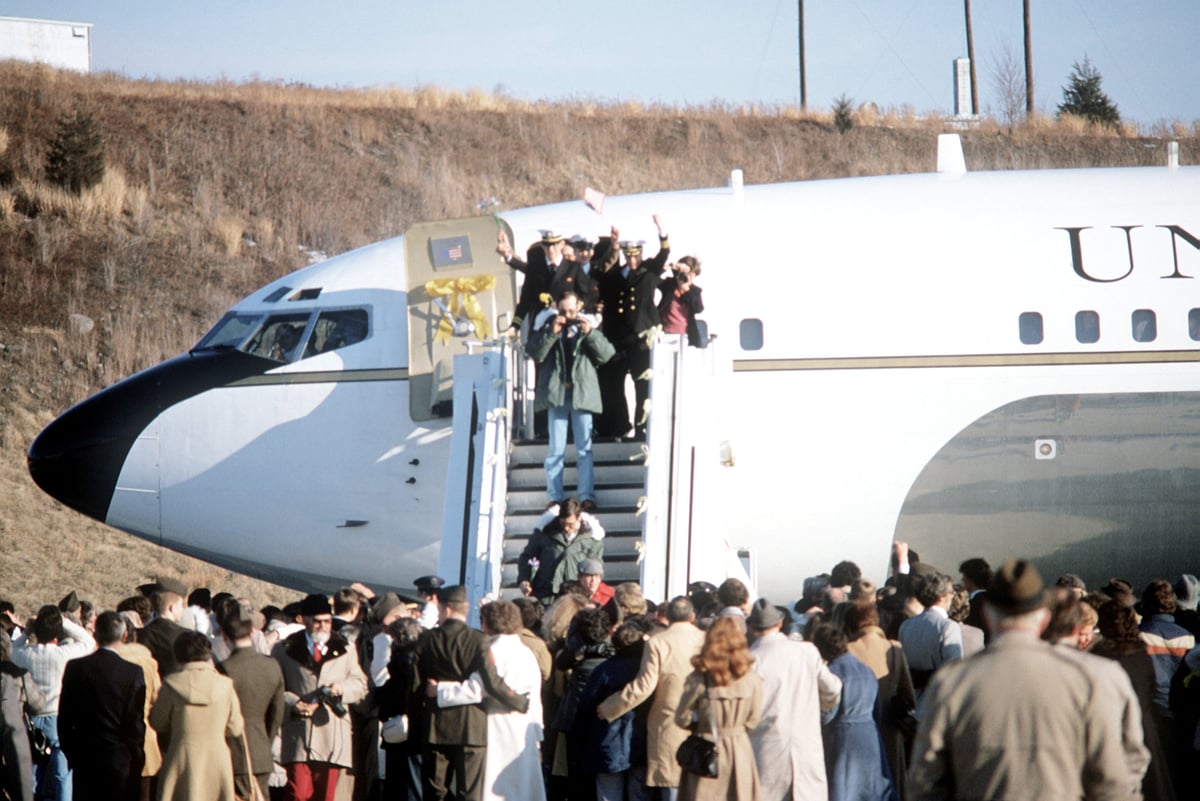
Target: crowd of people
[992, 687]
[593, 307]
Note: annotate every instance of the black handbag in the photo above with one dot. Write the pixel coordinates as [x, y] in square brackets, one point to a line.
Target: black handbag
[697, 754]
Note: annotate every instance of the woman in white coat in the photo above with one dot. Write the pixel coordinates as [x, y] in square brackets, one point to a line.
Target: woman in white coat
[512, 768]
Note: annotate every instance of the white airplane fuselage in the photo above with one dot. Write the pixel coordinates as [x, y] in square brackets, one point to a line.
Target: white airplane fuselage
[911, 357]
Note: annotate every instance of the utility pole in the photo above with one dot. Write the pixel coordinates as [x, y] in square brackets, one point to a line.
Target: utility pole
[971, 59]
[803, 81]
[1028, 64]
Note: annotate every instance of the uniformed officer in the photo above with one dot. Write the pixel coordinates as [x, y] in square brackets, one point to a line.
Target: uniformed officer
[427, 588]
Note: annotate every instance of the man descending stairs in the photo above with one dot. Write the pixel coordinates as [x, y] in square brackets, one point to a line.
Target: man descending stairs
[619, 484]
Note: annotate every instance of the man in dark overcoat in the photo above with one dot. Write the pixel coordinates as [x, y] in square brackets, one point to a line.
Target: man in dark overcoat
[100, 719]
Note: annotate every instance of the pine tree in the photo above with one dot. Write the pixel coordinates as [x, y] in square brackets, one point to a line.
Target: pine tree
[1084, 97]
[843, 115]
[76, 158]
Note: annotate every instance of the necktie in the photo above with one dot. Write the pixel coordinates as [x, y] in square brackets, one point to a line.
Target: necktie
[316, 653]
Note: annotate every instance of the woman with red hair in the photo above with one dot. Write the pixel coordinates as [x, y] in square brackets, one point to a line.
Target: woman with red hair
[724, 694]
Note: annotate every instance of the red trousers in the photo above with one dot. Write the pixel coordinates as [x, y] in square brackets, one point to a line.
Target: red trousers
[311, 781]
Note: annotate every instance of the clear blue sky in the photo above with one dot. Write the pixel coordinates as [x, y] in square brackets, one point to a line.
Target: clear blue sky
[893, 52]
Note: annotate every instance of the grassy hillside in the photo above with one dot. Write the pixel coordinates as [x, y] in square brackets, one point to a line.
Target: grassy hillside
[214, 189]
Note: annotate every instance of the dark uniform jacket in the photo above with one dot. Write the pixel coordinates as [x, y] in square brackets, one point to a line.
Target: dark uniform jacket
[101, 725]
[452, 652]
[159, 635]
[629, 308]
[258, 682]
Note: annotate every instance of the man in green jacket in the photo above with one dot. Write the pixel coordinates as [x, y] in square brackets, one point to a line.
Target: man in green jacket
[562, 538]
[568, 349]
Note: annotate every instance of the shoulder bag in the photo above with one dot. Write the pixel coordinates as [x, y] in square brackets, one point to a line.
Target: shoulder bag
[697, 754]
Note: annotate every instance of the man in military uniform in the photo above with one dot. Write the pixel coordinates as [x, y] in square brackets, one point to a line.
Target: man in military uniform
[454, 746]
[630, 315]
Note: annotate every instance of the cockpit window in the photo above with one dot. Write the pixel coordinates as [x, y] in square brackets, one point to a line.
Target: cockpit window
[230, 332]
[337, 329]
[279, 337]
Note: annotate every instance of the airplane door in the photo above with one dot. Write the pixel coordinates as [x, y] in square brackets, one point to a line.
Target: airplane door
[459, 291]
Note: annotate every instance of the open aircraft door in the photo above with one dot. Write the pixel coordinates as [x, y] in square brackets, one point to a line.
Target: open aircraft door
[458, 291]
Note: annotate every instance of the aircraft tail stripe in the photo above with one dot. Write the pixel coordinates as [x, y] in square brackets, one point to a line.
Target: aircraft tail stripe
[978, 360]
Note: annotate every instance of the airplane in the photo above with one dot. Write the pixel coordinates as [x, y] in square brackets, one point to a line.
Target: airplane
[993, 364]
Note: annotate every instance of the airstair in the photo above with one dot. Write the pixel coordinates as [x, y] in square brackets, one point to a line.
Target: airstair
[646, 493]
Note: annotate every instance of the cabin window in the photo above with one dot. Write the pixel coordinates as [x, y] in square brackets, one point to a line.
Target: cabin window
[1145, 326]
[1030, 328]
[750, 334]
[279, 338]
[230, 332]
[1194, 324]
[337, 329]
[1087, 327]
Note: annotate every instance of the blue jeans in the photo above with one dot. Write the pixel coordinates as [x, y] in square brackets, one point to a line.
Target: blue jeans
[628, 785]
[53, 775]
[557, 418]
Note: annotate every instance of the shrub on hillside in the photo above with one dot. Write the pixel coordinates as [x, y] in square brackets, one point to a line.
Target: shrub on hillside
[76, 157]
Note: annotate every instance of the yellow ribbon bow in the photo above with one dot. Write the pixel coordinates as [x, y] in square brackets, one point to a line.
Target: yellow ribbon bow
[461, 294]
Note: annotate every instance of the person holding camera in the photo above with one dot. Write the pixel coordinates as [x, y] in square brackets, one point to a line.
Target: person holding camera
[568, 348]
[321, 676]
[681, 300]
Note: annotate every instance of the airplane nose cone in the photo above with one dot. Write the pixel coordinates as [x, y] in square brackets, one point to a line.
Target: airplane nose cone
[78, 457]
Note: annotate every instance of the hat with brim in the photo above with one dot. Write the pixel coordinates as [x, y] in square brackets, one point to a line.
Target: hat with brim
[582, 240]
[1017, 587]
[169, 584]
[763, 615]
[383, 606]
[550, 236]
[429, 584]
[632, 248]
[454, 594]
[70, 603]
[316, 604]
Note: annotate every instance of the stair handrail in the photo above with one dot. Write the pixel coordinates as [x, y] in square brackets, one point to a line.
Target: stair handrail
[475, 506]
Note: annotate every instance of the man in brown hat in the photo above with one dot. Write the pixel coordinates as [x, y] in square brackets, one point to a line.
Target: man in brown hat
[1019, 720]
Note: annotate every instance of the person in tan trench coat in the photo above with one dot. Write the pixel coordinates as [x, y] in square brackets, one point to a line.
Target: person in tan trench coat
[666, 664]
[195, 711]
[723, 691]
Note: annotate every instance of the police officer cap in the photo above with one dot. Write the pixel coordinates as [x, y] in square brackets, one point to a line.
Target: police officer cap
[429, 584]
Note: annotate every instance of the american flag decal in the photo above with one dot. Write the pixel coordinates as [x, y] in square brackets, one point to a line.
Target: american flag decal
[450, 251]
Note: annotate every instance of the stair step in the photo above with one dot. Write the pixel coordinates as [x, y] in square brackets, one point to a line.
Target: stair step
[534, 476]
[531, 452]
[607, 498]
[520, 526]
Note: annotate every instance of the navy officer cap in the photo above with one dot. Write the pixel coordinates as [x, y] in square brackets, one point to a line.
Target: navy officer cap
[429, 584]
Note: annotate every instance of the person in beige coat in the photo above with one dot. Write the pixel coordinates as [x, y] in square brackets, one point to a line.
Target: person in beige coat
[194, 714]
[897, 696]
[666, 664]
[140, 655]
[723, 694]
[315, 739]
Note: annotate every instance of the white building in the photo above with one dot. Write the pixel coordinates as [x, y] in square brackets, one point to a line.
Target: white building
[58, 44]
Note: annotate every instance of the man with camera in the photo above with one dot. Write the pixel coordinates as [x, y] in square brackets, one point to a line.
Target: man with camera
[568, 349]
[321, 675]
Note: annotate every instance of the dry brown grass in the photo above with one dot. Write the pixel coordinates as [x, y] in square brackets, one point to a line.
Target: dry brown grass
[156, 254]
